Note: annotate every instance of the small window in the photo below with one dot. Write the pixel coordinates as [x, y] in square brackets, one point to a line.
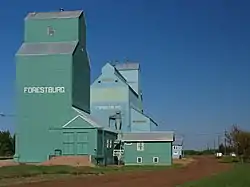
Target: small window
[50, 31]
[99, 81]
[139, 159]
[140, 146]
[107, 143]
[155, 159]
[116, 80]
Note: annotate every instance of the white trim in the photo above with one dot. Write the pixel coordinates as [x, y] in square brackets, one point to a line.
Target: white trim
[156, 158]
[147, 140]
[139, 158]
[107, 143]
[70, 121]
[110, 143]
[92, 122]
[42, 54]
[128, 143]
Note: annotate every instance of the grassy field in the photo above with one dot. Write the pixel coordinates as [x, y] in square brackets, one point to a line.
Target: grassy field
[229, 159]
[31, 170]
[238, 177]
[10, 175]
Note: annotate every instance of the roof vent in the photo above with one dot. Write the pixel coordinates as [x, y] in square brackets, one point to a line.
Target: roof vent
[33, 13]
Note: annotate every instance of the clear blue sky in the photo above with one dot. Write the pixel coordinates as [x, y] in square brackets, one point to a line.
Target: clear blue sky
[195, 57]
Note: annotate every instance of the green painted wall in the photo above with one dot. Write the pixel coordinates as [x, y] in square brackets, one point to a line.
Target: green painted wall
[109, 139]
[162, 150]
[74, 141]
[81, 79]
[40, 64]
[80, 138]
[65, 30]
[77, 138]
[37, 112]
[105, 147]
[100, 144]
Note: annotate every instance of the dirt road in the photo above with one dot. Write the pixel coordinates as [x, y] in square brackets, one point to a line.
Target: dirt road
[168, 178]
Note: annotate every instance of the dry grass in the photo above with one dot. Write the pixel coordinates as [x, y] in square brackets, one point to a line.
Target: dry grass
[183, 161]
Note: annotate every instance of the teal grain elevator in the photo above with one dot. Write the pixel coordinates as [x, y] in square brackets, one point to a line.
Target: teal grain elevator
[116, 100]
[53, 91]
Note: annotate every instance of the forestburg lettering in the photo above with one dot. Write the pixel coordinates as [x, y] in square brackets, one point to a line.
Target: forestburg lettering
[44, 90]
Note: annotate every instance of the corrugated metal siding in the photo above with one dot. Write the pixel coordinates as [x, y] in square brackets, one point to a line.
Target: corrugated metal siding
[47, 48]
[131, 76]
[153, 126]
[134, 101]
[162, 150]
[102, 111]
[161, 136]
[139, 122]
[81, 80]
[53, 15]
[38, 112]
[108, 94]
[54, 30]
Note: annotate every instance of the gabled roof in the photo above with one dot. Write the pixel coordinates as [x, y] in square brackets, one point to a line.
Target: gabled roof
[91, 120]
[54, 15]
[120, 76]
[127, 66]
[47, 48]
[163, 136]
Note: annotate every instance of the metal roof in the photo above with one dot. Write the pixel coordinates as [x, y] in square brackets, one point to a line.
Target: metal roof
[47, 48]
[54, 15]
[91, 120]
[128, 66]
[149, 136]
[178, 141]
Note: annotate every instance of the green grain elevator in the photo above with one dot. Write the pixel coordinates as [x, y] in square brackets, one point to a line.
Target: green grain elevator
[53, 89]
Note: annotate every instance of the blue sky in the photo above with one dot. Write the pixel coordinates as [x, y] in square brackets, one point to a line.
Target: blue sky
[195, 57]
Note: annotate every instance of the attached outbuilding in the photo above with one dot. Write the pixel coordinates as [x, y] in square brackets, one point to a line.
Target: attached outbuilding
[83, 136]
[178, 149]
[153, 148]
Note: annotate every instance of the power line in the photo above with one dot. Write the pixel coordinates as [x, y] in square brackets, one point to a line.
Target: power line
[200, 134]
[6, 115]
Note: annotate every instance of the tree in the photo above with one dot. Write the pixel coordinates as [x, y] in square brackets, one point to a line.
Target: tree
[6, 144]
[221, 148]
[239, 141]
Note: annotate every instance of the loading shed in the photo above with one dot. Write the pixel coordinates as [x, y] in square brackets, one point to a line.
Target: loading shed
[154, 148]
[83, 136]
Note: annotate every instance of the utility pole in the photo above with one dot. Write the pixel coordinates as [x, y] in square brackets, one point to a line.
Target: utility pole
[218, 142]
[214, 146]
[225, 141]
